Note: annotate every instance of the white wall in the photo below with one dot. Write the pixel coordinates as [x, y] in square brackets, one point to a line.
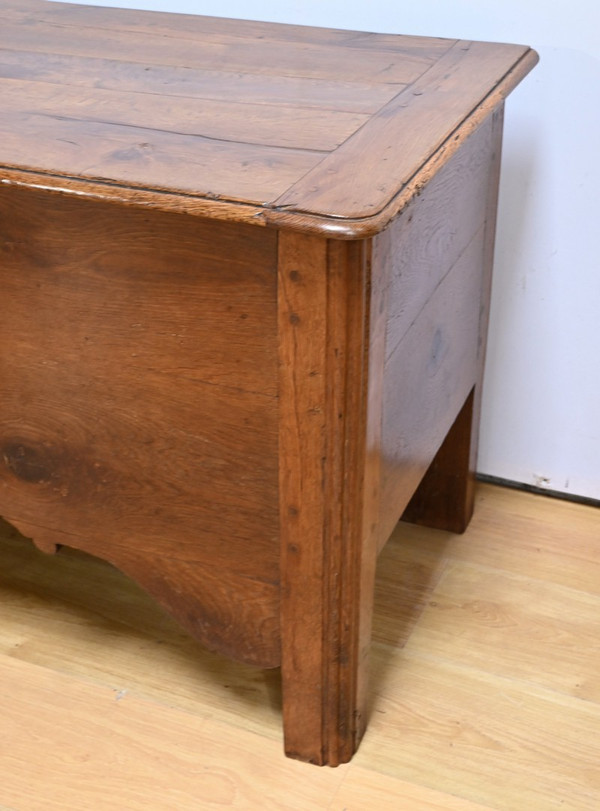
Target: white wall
[541, 416]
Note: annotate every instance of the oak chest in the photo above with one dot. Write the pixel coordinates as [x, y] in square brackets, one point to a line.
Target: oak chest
[244, 273]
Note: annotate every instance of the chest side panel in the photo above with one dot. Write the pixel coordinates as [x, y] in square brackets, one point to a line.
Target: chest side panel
[138, 408]
[435, 261]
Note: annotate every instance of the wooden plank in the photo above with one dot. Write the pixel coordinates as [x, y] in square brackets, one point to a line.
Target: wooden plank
[105, 191]
[427, 380]
[473, 606]
[125, 400]
[75, 614]
[70, 626]
[220, 121]
[240, 53]
[437, 103]
[137, 154]
[154, 756]
[63, 247]
[191, 83]
[365, 788]
[478, 728]
[374, 224]
[328, 550]
[191, 26]
[148, 158]
[552, 540]
[445, 496]
[428, 237]
[409, 568]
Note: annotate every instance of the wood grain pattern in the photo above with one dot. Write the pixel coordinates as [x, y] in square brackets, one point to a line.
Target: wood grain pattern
[328, 551]
[230, 112]
[236, 416]
[427, 380]
[306, 60]
[104, 699]
[560, 621]
[445, 496]
[192, 27]
[479, 726]
[435, 229]
[206, 119]
[364, 788]
[234, 46]
[171, 202]
[195, 83]
[111, 770]
[544, 551]
[124, 398]
[438, 300]
[144, 157]
[436, 103]
[97, 610]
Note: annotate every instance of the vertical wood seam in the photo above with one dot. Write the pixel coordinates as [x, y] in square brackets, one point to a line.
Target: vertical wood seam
[329, 531]
[348, 317]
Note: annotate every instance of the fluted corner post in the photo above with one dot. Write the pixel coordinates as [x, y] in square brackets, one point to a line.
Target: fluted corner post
[330, 364]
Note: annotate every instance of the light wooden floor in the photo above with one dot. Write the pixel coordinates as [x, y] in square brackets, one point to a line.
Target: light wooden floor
[486, 683]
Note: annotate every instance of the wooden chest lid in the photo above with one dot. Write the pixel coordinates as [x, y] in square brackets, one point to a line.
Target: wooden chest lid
[318, 129]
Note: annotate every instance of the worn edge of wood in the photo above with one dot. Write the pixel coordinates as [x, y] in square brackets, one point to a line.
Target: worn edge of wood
[113, 192]
[452, 471]
[49, 541]
[222, 209]
[369, 226]
[326, 497]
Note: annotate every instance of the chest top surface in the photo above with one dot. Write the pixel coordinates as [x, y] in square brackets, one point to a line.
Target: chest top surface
[322, 129]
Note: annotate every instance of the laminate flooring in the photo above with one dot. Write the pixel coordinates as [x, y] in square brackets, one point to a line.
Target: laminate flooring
[485, 682]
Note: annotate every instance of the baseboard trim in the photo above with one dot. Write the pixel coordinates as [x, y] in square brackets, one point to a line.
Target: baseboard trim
[539, 491]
